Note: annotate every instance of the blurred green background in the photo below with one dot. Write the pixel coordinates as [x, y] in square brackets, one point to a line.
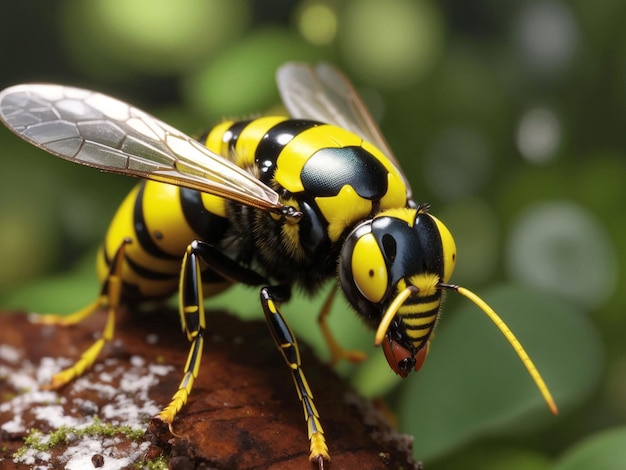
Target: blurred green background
[507, 117]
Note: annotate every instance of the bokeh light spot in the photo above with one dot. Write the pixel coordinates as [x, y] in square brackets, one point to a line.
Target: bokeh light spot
[547, 34]
[153, 35]
[560, 247]
[391, 44]
[241, 80]
[538, 135]
[317, 23]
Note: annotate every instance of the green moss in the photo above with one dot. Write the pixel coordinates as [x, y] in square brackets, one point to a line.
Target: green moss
[160, 463]
[7, 397]
[36, 440]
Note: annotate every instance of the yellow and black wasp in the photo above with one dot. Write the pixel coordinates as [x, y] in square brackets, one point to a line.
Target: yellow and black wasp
[269, 202]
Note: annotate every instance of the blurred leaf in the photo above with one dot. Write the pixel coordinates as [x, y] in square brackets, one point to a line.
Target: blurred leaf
[60, 294]
[602, 451]
[477, 235]
[391, 44]
[111, 38]
[241, 81]
[473, 384]
[490, 458]
[374, 378]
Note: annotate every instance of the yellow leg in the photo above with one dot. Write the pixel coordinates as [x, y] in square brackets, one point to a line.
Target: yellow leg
[87, 359]
[288, 347]
[193, 320]
[192, 314]
[72, 319]
[110, 298]
[337, 352]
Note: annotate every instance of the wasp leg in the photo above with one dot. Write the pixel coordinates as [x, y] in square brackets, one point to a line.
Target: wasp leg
[192, 312]
[192, 317]
[337, 352]
[71, 319]
[110, 298]
[288, 347]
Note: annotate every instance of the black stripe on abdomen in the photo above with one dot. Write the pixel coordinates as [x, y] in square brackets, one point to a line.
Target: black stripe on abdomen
[209, 226]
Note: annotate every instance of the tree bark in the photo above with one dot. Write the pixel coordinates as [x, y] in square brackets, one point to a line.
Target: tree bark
[243, 412]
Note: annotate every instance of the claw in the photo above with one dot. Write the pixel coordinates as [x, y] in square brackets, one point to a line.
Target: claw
[319, 460]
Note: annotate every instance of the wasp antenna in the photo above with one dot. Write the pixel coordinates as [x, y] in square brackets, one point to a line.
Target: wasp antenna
[391, 312]
[513, 341]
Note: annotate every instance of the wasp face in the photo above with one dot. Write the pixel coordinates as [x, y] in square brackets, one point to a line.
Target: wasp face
[390, 270]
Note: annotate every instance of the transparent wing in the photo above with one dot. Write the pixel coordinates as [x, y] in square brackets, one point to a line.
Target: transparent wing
[96, 130]
[325, 94]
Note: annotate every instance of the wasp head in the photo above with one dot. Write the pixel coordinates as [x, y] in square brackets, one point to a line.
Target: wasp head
[390, 270]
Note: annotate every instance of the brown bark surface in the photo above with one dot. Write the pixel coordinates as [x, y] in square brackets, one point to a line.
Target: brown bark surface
[243, 412]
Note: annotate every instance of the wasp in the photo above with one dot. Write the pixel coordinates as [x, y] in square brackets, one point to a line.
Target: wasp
[271, 202]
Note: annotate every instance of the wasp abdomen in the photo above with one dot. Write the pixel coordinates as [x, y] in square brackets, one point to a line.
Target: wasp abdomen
[160, 221]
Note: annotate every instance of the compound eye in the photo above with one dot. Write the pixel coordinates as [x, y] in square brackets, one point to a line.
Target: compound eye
[449, 249]
[368, 269]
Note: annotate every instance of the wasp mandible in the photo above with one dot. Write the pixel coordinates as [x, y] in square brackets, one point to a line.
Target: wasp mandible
[271, 202]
